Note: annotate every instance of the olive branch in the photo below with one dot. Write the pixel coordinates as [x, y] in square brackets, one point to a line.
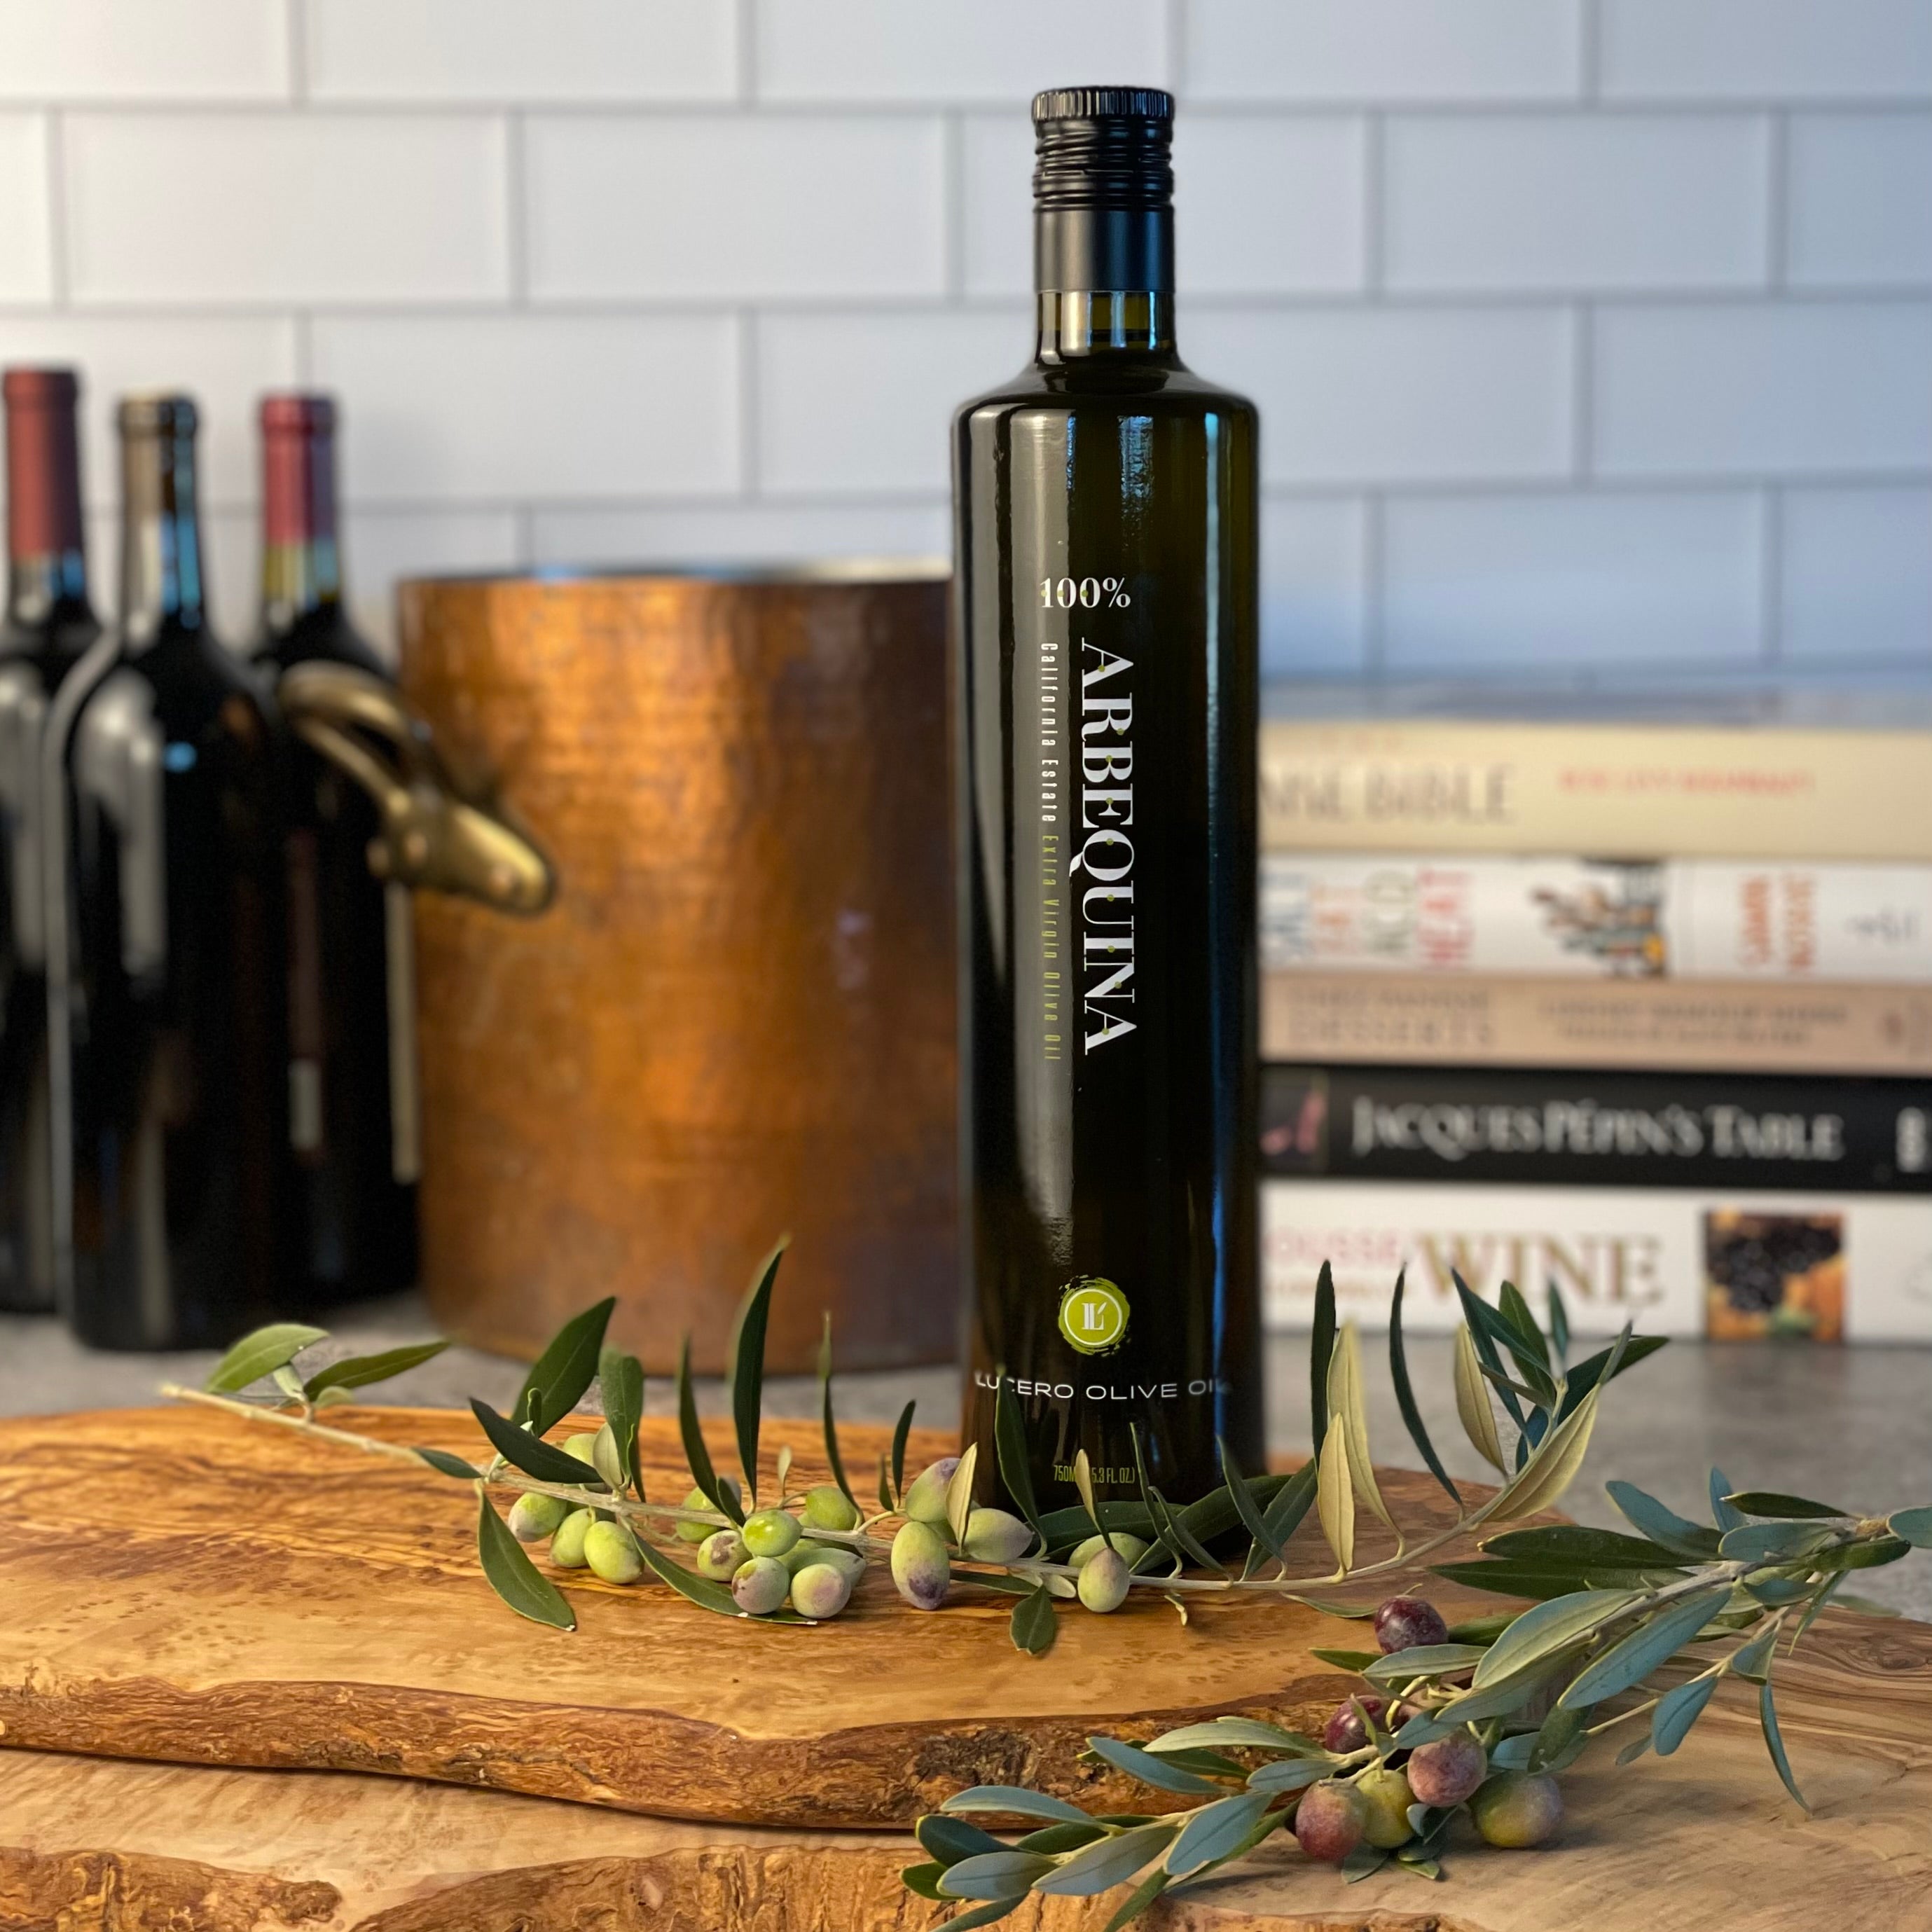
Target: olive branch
[1478, 1717]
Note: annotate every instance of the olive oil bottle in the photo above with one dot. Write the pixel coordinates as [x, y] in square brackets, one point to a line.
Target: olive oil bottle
[1106, 578]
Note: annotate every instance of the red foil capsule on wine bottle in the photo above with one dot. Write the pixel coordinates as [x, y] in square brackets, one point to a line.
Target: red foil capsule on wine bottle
[298, 467]
[42, 462]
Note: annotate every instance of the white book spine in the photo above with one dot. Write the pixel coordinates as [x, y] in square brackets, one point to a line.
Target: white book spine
[1596, 919]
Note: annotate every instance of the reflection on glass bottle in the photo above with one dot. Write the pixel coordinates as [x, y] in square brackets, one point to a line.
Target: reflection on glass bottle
[352, 1072]
[48, 626]
[167, 965]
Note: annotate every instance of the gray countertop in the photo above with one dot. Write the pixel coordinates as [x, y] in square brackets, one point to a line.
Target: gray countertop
[1852, 1426]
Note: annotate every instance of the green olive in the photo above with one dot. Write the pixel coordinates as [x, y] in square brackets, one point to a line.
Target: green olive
[611, 1552]
[827, 1506]
[696, 1532]
[566, 1546]
[1103, 1581]
[1131, 1547]
[721, 1555]
[583, 1445]
[761, 1586]
[925, 1501]
[534, 1517]
[820, 1590]
[769, 1532]
[922, 1570]
[996, 1536]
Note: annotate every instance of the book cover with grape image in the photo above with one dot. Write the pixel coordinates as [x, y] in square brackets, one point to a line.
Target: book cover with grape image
[1774, 1274]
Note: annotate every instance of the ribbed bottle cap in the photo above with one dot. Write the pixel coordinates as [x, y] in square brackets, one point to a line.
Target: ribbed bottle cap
[160, 413]
[28, 386]
[1103, 103]
[1103, 147]
[299, 411]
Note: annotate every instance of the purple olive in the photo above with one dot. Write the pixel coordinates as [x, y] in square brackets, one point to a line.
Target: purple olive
[1329, 1822]
[1407, 1623]
[1447, 1771]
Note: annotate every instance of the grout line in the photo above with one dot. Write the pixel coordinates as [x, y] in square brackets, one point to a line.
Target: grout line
[1174, 43]
[1590, 52]
[1583, 391]
[747, 403]
[516, 212]
[1772, 580]
[1777, 200]
[952, 179]
[58, 280]
[523, 534]
[747, 51]
[296, 15]
[1375, 203]
[1375, 641]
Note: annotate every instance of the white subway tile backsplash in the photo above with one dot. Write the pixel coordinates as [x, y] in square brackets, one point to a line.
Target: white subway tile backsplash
[1314, 587]
[1856, 580]
[1546, 581]
[380, 547]
[470, 410]
[952, 50]
[1860, 196]
[1744, 389]
[735, 206]
[1358, 395]
[1720, 49]
[857, 402]
[510, 50]
[311, 207]
[1576, 201]
[996, 204]
[1383, 49]
[224, 363]
[26, 228]
[148, 50]
[741, 533]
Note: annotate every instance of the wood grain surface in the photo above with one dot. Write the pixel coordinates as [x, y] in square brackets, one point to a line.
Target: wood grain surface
[1706, 1841]
[189, 1585]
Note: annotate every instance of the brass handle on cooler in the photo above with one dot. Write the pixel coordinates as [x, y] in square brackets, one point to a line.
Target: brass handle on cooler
[433, 835]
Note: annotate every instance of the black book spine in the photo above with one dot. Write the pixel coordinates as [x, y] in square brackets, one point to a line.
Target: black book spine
[1597, 1128]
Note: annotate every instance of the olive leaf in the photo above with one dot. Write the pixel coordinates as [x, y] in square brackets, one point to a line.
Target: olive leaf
[1289, 1774]
[1034, 1626]
[1752, 1660]
[1214, 1831]
[621, 1377]
[1285, 1509]
[1774, 1542]
[1111, 1862]
[1774, 1742]
[1018, 1800]
[959, 1493]
[1009, 1443]
[559, 1376]
[1150, 1769]
[900, 1431]
[1137, 1901]
[1775, 1503]
[746, 1369]
[1655, 1641]
[1550, 1629]
[1083, 1483]
[362, 1371]
[1551, 1467]
[1472, 1401]
[1347, 1401]
[260, 1354]
[1426, 1660]
[1320, 1348]
[1237, 1734]
[1724, 1513]
[1572, 1542]
[1253, 1519]
[983, 1914]
[1911, 1526]
[1677, 1710]
[1054, 1839]
[1663, 1525]
[950, 1839]
[1002, 1874]
[512, 1575]
[1335, 1498]
[1559, 1322]
[532, 1453]
[1588, 1374]
[445, 1464]
[828, 1423]
[1405, 1395]
[924, 1879]
[703, 1475]
[290, 1384]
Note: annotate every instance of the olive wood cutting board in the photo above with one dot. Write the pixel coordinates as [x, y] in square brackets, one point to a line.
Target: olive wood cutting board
[185, 1585]
[1705, 1841]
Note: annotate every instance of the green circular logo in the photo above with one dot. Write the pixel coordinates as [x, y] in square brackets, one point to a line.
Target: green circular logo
[1092, 1314]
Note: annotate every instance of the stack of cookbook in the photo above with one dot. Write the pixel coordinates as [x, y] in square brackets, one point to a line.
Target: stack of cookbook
[1645, 1012]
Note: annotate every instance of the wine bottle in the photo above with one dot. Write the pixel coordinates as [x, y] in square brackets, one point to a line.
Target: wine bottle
[1106, 580]
[48, 626]
[167, 981]
[352, 1067]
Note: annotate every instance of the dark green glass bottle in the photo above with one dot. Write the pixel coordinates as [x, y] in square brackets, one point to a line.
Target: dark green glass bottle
[1106, 575]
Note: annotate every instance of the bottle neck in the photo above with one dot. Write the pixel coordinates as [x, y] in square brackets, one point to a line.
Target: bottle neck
[46, 558]
[301, 569]
[160, 536]
[1079, 325]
